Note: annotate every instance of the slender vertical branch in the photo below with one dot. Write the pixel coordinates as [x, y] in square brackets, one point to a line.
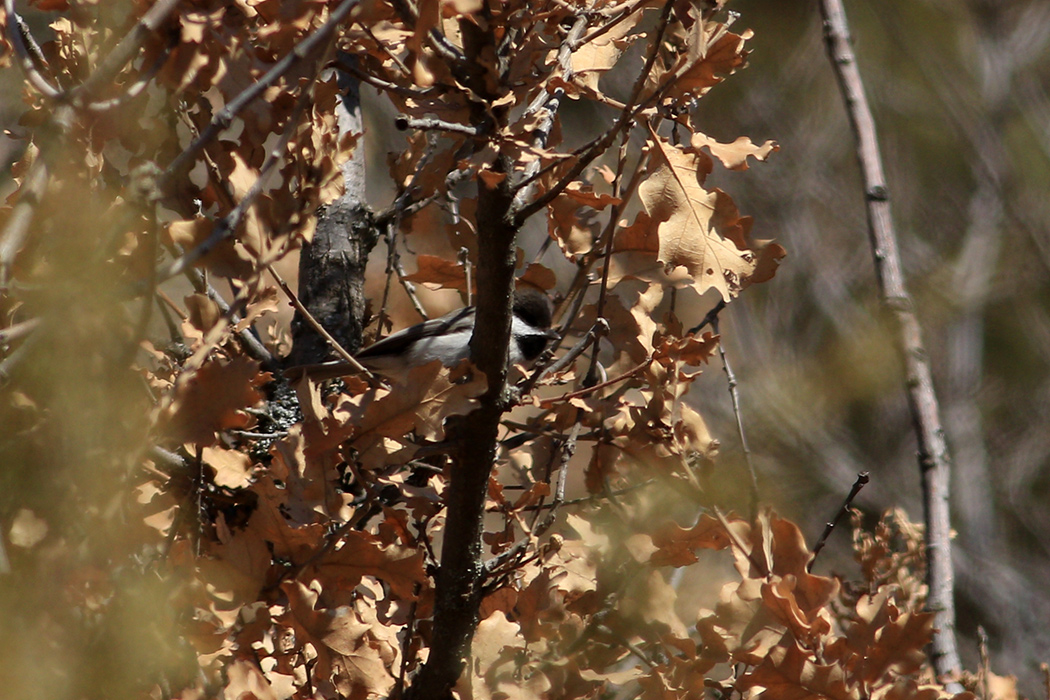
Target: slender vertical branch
[934, 457]
[735, 396]
[459, 587]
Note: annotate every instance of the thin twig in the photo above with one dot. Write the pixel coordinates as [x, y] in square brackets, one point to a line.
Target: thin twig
[862, 479]
[468, 273]
[139, 86]
[404, 123]
[629, 645]
[710, 318]
[410, 289]
[587, 499]
[391, 225]
[124, 51]
[599, 328]
[934, 455]
[19, 330]
[511, 558]
[406, 643]
[734, 395]
[985, 671]
[548, 103]
[330, 541]
[591, 377]
[249, 343]
[748, 552]
[547, 403]
[626, 12]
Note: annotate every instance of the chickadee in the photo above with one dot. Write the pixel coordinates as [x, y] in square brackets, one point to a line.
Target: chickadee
[448, 339]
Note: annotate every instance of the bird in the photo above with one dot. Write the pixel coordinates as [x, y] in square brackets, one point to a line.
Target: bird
[448, 339]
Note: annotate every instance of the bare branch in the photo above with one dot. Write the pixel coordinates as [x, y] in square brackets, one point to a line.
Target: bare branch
[934, 456]
[511, 558]
[19, 330]
[229, 223]
[626, 11]
[249, 343]
[22, 40]
[404, 123]
[862, 479]
[547, 403]
[549, 102]
[136, 88]
[21, 216]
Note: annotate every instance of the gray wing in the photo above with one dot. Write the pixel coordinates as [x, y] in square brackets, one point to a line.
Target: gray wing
[398, 342]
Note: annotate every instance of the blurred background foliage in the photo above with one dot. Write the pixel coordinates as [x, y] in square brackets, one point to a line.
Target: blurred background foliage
[961, 96]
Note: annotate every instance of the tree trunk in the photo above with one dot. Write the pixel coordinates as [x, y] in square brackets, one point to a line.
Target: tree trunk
[332, 266]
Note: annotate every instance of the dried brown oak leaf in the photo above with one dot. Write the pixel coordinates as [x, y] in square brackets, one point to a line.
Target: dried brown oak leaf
[235, 569]
[291, 539]
[501, 666]
[808, 626]
[362, 554]
[421, 400]
[245, 680]
[701, 70]
[677, 545]
[886, 639]
[350, 649]
[593, 59]
[777, 547]
[212, 399]
[734, 155]
[700, 229]
[435, 272]
[788, 673]
[232, 468]
[650, 601]
[565, 221]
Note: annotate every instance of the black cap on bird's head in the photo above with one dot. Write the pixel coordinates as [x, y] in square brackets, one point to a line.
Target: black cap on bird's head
[533, 307]
[531, 327]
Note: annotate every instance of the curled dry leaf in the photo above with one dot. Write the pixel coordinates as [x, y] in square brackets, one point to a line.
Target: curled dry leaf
[734, 155]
